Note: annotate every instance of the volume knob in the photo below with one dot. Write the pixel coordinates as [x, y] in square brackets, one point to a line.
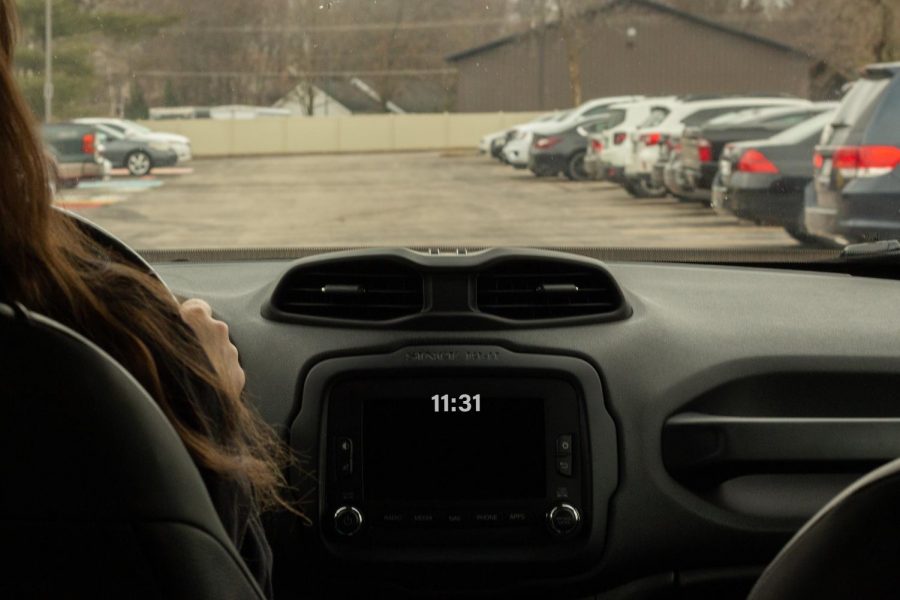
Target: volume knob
[347, 520]
[563, 519]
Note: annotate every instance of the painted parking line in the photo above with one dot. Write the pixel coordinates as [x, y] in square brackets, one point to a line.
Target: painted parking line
[131, 185]
[95, 194]
[164, 171]
[89, 202]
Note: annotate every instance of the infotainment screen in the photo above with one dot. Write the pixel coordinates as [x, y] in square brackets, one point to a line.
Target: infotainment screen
[453, 446]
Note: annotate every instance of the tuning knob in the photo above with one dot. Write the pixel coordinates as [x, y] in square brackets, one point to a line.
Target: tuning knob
[347, 520]
[563, 519]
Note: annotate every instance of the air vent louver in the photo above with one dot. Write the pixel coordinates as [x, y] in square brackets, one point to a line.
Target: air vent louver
[357, 290]
[529, 290]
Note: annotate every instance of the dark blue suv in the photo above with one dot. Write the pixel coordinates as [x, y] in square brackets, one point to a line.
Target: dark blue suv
[857, 164]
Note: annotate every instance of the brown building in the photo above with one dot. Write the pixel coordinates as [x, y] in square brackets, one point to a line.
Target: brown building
[628, 47]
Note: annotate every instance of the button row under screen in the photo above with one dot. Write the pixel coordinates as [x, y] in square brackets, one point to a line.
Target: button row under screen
[454, 518]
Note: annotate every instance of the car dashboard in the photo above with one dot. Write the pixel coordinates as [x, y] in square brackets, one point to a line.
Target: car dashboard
[521, 423]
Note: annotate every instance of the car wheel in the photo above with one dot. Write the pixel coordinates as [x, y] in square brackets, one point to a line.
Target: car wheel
[807, 239]
[138, 163]
[629, 187]
[644, 188]
[575, 168]
[543, 173]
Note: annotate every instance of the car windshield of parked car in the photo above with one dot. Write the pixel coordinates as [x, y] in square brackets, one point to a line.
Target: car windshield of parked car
[136, 127]
[811, 127]
[470, 123]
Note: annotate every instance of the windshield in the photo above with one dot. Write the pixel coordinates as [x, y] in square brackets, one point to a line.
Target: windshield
[657, 116]
[136, 127]
[810, 128]
[346, 123]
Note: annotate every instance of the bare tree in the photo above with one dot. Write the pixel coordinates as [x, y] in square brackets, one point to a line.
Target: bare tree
[570, 25]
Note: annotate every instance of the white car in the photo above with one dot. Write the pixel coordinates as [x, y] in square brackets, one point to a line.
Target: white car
[487, 143]
[609, 150]
[516, 151]
[179, 143]
[663, 125]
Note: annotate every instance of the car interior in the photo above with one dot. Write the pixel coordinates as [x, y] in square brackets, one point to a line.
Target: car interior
[467, 430]
[463, 300]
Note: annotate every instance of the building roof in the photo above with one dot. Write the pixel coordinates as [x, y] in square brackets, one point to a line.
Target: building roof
[410, 95]
[648, 4]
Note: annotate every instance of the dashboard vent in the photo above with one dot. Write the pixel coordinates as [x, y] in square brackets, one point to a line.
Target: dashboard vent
[546, 289]
[358, 290]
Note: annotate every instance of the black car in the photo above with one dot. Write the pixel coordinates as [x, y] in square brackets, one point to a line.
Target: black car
[563, 151]
[701, 147]
[857, 166]
[764, 180]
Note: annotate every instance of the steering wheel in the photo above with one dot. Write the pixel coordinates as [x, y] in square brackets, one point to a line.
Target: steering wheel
[110, 242]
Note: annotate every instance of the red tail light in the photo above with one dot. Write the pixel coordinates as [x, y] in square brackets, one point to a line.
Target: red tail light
[818, 161]
[597, 145]
[89, 143]
[619, 138]
[704, 151]
[547, 142]
[866, 161]
[754, 161]
[651, 139]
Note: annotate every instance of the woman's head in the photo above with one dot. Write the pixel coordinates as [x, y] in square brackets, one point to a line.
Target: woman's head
[51, 267]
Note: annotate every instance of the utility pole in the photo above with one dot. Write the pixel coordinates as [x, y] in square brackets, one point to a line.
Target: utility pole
[48, 60]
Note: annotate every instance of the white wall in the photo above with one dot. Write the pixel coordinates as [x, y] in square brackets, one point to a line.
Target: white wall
[354, 133]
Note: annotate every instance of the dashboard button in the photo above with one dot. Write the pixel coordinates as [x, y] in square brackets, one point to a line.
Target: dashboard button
[564, 466]
[456, 518]
[422, 517]
[347, 520]
[393, 517]
[487, 517]
[564, 445]
[563, 519]
[344, 452]
[517, 517]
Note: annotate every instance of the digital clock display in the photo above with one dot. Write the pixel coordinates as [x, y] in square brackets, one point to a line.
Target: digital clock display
[467, 445]
[463, 403]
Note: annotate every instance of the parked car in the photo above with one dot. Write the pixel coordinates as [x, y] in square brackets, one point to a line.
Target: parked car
[137, 155]
[493, 143]
[564, 150]
[857, 164]
[76, 152]
[609, 150]
[179, 143]
[764, 181]
[668, 172]
[516, 150]
[664, 125]
[701, 147]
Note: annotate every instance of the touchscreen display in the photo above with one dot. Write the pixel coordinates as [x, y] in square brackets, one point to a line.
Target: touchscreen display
[454, 447]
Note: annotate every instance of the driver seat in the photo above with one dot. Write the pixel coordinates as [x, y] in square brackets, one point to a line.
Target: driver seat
[98, 495]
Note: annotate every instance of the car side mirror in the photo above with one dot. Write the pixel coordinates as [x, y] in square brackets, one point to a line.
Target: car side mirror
[582, 131]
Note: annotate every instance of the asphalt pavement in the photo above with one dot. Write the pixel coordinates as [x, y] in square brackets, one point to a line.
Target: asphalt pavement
[396, 199]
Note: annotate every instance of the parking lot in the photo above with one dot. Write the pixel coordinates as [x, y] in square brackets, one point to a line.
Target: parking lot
[414, 199]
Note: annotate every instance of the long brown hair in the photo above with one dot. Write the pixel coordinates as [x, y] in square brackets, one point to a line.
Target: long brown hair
[50, 266]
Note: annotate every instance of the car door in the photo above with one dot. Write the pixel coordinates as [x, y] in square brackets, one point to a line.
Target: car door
[115, 146]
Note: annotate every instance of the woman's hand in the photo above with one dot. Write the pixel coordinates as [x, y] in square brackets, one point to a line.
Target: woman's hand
[213, 337]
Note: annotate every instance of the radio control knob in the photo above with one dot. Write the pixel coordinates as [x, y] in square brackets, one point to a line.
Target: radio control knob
[563, 519]
[347, 520]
